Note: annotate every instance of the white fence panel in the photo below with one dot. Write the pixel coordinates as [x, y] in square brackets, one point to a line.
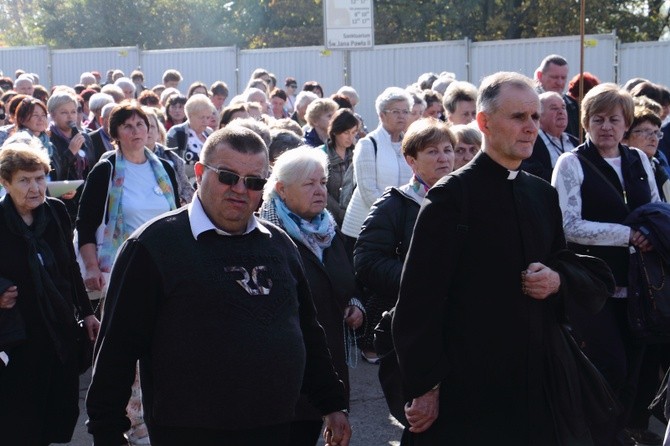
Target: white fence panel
[67, 65]
[195, 64]
[31, 59]
[650, 60]
[525, 55]
[401, 65]
[303, 63]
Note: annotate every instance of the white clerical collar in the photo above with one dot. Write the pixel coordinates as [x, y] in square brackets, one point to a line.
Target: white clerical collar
[512, 174]
[200, 222]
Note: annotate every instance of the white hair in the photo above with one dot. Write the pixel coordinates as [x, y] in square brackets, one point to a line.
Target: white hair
[124, 82]
[294, 166]
[99, 100]
[198, 102]
[392, 94]
[304, 98]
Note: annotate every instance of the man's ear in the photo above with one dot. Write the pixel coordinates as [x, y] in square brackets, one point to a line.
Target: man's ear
[199, 169]
[482, 122]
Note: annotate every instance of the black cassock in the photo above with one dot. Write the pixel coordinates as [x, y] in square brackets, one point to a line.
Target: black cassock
[461, 317]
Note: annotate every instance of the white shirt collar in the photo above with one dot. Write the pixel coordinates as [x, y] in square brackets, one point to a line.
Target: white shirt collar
[200, 222]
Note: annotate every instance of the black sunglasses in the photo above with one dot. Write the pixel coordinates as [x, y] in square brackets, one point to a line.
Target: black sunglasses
[231, 179]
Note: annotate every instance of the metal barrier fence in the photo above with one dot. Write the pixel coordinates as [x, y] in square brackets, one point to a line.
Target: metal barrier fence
[369, 71]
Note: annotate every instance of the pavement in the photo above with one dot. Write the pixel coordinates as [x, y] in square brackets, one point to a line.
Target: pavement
[371, 423]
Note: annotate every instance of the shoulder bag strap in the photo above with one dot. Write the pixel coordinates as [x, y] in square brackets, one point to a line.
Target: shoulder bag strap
[604, 178]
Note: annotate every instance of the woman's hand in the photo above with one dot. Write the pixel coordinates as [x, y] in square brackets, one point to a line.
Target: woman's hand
[8, 298]
[353, 316]
[92, 325]
[639, 241]
[93, 278]
[75, 143]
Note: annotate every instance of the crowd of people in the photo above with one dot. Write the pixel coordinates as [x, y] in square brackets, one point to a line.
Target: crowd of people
[232, 257]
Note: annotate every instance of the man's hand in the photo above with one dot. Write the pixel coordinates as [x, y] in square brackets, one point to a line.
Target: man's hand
[337, 430]
[8, 298]
[540, 281]
[423, 411]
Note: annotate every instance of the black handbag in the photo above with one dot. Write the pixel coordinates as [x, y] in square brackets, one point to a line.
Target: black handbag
[649, 296]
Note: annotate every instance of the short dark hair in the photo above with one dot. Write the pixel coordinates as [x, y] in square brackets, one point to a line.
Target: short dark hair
[228, 112]
[343, 119]
[424, 133]
[312, 86]
[20, 156]
[121, 113]
[648, 89]
[239, 138]
[25, 109]
[552, 59]
[290, 81]
[148, 97]
[643, 115]
[341, 100]
[219, 88]
[282, 140]
[193, 86]
[279, 93]
[172, 100]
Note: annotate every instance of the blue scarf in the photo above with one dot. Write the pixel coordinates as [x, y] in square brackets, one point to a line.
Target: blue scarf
[316, 235]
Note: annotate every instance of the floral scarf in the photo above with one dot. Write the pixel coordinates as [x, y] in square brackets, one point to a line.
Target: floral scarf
[116, 232]
[418, 186]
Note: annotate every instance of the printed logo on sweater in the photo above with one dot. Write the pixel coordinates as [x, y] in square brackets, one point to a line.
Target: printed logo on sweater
[250, 282]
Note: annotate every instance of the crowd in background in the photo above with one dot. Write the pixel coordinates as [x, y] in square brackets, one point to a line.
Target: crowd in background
[131, 154]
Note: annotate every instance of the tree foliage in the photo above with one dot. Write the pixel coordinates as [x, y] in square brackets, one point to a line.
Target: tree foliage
[153, 24]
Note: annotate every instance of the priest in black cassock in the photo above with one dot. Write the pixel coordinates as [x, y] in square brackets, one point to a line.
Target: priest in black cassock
[477, 299]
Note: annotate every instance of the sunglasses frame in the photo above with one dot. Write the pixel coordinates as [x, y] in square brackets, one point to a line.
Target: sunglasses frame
[234, 178]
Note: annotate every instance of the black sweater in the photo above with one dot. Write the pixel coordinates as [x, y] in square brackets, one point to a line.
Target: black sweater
[224, 327]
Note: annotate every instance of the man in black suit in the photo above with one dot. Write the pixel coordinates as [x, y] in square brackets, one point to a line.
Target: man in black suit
[552, 140]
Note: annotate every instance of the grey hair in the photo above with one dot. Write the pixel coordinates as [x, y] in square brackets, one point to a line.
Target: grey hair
[258, 127]
[249, 92]
[456, 92]
[489, 90]
[349, 92]
[546, 95]
[294, 166]
[442, 83]
[304, 98]
[125, 82]
[170, 91]
[418, 100]
[107, 110]
[99, 100]
[87, 78]
[198, 102]
[58, 98]
[392, 94]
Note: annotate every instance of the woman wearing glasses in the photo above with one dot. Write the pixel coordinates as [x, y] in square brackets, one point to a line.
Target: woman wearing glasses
[378, 161]
[645, 134]
[599, 184]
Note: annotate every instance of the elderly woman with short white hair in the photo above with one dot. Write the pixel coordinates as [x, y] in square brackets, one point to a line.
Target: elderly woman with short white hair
[318, 115]
[295, 198]
[378, 161]
[95, 105]
[127, 86]
[190, 136]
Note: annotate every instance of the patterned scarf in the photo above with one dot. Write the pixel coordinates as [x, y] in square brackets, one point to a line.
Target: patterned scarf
[418, 186]
[116, 232]
[316, 235]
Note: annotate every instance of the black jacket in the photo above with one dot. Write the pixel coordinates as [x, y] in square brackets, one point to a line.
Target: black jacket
[382, 244]
[539, 162]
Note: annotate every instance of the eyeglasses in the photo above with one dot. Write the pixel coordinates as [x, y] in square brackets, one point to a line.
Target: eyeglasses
[231, 179]
[397, 113]
[647, 133]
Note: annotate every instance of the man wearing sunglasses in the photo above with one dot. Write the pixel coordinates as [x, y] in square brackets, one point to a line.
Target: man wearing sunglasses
[215, 305]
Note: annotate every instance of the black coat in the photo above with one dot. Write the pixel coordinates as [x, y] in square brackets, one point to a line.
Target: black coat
[39, 394]
[382, 244]
[462, 319]
[332, 284]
